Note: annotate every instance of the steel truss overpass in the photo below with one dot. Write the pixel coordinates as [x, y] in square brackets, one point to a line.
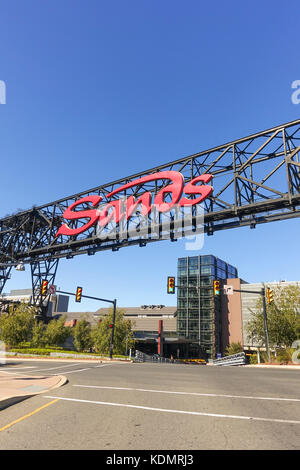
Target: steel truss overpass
[255, 179]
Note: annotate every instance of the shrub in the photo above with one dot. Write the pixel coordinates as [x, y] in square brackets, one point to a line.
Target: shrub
[38, 335]
[56, 333]
[284, 355]
[82, 335]
[253, 359]
[233, 348]
[16, 327]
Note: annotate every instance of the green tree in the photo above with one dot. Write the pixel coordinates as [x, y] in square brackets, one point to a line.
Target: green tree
[233, 348]
[38, 335]
[283, 318]
[56, 333]
[82, 335]
[16, 327]
[123, 336]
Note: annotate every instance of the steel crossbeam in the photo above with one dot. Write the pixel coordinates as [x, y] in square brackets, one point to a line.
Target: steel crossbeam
[256, 180]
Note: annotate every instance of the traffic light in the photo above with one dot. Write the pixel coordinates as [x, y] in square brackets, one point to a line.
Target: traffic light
[269, 294]
[216, 287]
[44, 287]
[171, 285]
[78, 294]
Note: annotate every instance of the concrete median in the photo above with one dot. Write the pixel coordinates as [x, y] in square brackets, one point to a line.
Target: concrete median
[15, 388]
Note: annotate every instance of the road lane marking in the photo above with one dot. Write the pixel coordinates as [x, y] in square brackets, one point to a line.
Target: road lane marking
[45, 370]
[188, 393]
[80, 370]
[18, 368]
[164, 410]
[57, 367]
[61, 367]
[28, 415]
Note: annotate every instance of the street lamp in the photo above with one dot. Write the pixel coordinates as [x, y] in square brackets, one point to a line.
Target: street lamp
[20, 267]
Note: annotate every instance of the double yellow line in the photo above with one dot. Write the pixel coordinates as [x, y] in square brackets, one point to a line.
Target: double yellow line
[28, 415]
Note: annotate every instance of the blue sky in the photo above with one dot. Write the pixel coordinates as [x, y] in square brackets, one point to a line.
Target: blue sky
[100, 90]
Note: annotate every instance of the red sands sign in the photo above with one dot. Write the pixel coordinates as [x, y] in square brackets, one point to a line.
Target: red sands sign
[124, 208]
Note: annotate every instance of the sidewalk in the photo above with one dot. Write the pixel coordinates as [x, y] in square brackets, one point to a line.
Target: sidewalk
[15, 388]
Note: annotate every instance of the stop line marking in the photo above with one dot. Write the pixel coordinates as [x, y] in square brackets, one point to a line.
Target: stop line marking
[164, 410]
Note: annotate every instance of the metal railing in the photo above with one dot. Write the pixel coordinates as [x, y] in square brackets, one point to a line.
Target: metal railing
[155, 358]
[233, 360]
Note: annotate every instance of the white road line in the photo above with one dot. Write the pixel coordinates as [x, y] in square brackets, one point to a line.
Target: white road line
[43, 370]
[164, 410]
[77, 370]
[80, 370]
[18, 368]
[57, 367]
[61, 367]
[190, 393]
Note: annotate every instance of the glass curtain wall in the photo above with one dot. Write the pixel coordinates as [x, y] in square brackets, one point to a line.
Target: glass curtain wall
[198, 310]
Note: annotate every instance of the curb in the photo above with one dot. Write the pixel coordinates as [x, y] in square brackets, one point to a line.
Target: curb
[7, 401]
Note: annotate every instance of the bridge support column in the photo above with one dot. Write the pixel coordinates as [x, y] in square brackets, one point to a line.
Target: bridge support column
[4, 275]
[40, 271]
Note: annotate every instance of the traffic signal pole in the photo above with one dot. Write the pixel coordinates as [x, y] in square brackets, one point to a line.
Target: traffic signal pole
[113, 302]
[111, 347]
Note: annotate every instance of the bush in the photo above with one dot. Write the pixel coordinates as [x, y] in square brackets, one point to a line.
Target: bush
[56, 333]
[284, 355]
[253, 359]
[82, 335]
[35, 351]
[233, 348]
[16, 327]
[38, 335]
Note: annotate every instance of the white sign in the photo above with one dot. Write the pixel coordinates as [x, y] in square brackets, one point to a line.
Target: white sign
[52, 289]
[228, 290]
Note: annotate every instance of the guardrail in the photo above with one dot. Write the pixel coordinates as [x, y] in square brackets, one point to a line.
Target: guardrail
[143, 357]
[233, 360]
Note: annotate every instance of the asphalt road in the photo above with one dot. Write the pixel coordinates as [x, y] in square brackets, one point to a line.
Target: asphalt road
[155, 406]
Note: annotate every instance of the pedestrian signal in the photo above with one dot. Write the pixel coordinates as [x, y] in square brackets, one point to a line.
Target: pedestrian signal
[78, 294]
[171, 285]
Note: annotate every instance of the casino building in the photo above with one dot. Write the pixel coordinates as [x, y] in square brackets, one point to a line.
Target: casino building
[199, 316]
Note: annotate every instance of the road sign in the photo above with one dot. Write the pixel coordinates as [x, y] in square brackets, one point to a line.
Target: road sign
[52, 289]
[228, 290]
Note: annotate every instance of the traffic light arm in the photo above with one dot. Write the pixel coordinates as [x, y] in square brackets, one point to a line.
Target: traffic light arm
[114, 302]
[86, 296]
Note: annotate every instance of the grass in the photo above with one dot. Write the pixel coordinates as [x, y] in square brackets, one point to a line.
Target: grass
[26, 349]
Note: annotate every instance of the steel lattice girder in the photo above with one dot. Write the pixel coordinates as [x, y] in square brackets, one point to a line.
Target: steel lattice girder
[256, 180]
